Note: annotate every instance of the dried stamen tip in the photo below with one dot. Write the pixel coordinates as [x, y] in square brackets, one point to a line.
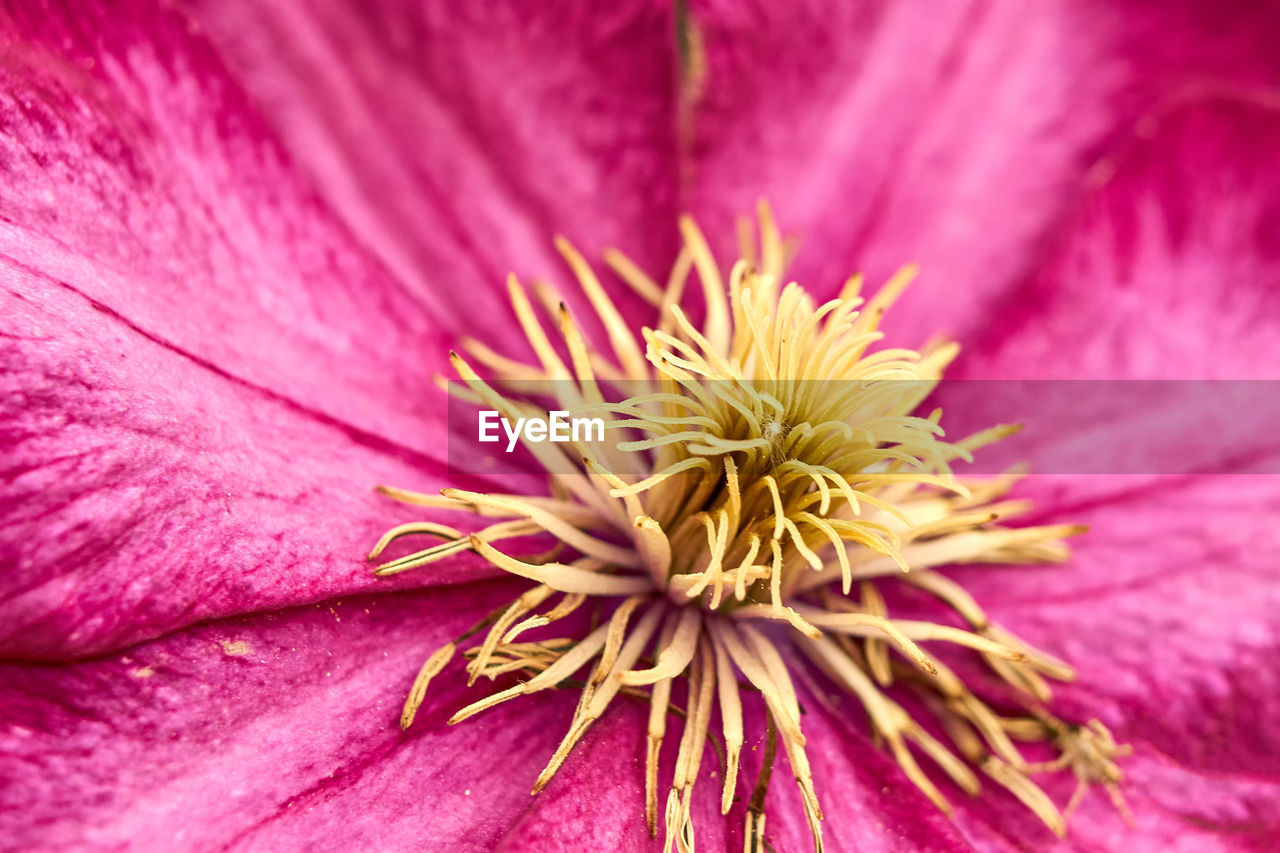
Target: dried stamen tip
[764, 478]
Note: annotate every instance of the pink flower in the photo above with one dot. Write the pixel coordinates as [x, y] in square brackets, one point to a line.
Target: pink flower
[236, 244]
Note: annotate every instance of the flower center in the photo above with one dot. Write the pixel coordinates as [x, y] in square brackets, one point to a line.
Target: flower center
[766, 465]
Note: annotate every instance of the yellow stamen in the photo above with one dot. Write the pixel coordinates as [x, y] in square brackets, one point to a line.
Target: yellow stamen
[755, 465]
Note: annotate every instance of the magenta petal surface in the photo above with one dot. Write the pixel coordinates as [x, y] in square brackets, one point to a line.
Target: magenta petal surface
[272, 732]
[143, 490]
[1170, 268]
[138, 175]
[204, 374]
[954, 135]
[219, 332]
[456, 140]
[597, 798]
[1170, 611]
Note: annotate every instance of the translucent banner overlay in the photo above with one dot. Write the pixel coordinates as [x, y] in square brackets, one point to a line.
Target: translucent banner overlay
[1067, 426]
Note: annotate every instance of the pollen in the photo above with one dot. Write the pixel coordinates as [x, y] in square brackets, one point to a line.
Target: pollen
[767, 487]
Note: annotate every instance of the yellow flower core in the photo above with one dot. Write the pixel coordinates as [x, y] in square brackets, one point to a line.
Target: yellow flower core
[767, 465]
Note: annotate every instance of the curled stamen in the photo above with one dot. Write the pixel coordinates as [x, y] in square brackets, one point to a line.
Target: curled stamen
[676, 653]
[418, 691]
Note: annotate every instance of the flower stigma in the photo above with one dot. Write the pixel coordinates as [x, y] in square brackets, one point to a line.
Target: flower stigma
[765, 488]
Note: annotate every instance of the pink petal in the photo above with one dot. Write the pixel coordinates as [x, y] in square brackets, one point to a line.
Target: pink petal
[1171, 268]
[596, 800]
[959, 143]
[1170, 610]
[143, 489]
[271, 732]
[138, 175]
[457, 141]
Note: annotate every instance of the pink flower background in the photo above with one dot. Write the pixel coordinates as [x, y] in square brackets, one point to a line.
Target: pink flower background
[238, 239]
